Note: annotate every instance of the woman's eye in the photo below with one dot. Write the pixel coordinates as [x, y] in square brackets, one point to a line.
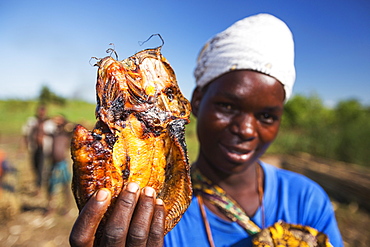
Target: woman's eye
[225, 106]
[268, 118]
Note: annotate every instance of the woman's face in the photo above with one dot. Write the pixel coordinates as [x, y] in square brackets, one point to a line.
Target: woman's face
[238, 116]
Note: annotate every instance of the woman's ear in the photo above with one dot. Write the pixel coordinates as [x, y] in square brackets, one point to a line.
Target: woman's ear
[195, 100]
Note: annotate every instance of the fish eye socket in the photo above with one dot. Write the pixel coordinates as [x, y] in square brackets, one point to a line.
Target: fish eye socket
[169, 92]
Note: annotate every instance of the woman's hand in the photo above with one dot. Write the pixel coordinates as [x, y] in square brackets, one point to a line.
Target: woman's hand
[137, 219]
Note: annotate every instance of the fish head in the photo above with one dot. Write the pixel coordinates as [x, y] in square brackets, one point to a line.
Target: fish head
[144, 82]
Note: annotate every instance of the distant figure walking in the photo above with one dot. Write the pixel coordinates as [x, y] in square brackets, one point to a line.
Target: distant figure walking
[5, 168]
[60, 175]
[37, 134]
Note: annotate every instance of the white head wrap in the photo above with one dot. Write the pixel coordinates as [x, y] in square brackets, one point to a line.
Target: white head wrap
[261, 43]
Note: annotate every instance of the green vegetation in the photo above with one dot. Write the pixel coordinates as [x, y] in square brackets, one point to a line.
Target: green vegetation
[14, 113]
[340, 133]
[191, 139]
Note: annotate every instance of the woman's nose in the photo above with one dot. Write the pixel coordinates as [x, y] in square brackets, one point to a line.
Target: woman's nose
[244, 125]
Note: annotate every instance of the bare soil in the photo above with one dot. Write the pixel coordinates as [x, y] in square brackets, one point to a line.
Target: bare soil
[24, 220]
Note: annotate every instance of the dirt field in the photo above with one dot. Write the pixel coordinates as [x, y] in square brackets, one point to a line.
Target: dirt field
[23, 221]
[23, 218]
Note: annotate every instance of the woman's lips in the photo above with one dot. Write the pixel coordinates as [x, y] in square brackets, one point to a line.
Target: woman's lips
[236, 154]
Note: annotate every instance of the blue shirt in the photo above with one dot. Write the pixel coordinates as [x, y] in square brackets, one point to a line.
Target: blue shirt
[288, 196]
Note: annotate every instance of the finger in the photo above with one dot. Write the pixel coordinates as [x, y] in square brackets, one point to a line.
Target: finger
[84, 229]
[141, 221]
[116, 229]
[156, 234]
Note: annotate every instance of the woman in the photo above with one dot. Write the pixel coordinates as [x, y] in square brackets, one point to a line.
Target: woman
[244, 75]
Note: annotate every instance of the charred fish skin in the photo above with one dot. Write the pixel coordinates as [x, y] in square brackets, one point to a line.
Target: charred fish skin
[139, 135]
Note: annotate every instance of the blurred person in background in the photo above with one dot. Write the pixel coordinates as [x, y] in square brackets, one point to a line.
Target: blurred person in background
[10, 203]
[60, 175]
[37, 133]
[6, 168]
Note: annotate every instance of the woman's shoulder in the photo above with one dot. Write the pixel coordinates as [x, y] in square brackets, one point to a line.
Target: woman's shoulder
[288, 180]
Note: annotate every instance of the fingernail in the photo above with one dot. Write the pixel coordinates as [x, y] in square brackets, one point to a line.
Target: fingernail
[149, 191]
[132, 187]
[159, 201]
[102, 195]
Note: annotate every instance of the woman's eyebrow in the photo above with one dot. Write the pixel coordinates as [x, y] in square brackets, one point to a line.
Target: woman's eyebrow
[228, 95]
[235, 98]
[273, 108]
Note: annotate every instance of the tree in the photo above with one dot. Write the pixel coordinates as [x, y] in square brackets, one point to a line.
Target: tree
[354, 132]
[48, 97]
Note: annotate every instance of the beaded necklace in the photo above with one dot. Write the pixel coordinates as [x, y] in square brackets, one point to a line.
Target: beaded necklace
[205, 188]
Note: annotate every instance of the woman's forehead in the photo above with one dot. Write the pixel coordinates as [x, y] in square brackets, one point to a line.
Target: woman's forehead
[245, 79]
[246, 83]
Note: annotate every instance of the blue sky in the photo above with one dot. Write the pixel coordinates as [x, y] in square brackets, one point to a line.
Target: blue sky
[51, 42]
